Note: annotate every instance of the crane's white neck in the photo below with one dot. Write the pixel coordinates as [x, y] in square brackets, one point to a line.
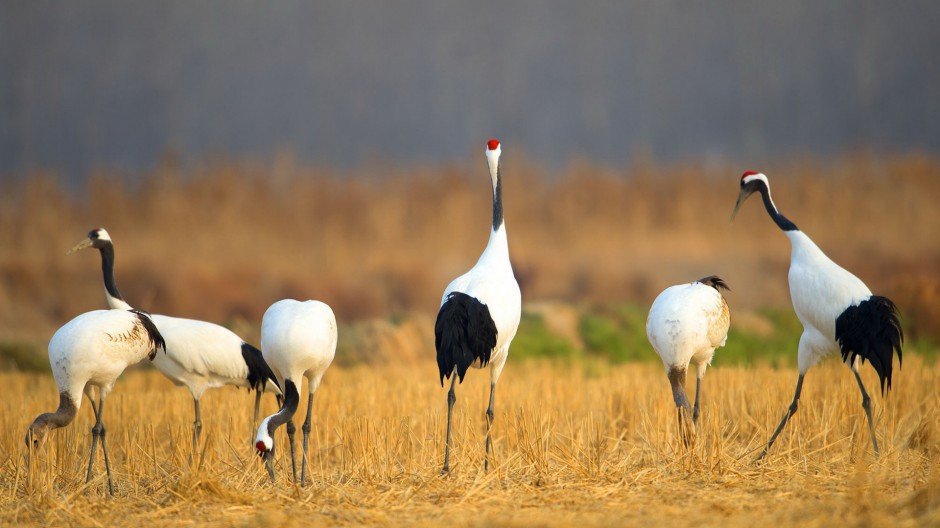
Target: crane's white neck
[497, 248]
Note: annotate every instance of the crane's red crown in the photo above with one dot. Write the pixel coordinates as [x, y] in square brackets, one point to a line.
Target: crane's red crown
[749, 173]
[260, 445]
[492, 144]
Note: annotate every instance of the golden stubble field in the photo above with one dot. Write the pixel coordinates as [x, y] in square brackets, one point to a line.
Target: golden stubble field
[592, 445]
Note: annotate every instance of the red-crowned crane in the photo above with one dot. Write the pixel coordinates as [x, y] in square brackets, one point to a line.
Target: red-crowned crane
[199, 355]
[92, 350]
[480, 312]
[298, 340]
[686, 323]
[838, 312]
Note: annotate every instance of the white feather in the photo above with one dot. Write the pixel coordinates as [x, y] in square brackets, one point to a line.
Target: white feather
[686, 323]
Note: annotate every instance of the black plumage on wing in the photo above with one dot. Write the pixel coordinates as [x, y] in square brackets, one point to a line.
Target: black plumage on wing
[871, 330]
[463, 333]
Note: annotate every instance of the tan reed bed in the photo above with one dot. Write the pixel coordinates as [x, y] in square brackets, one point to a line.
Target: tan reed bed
[588, 444]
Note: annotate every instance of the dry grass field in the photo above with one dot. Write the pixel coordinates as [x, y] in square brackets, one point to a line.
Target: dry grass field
[591, 445]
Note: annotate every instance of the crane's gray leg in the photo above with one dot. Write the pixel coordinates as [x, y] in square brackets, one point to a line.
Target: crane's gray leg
[291, 429]
[489, 425]
[695, 408]
[306, 429]
[451, 399]
[254, 420]
[197, 425]
[94, 438]
[866, 404]
[98, 432]
[676, 377]
[786, 417]
[104, 447]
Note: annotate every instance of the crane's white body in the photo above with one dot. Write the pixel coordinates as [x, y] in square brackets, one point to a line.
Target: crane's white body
[820, 290]
[199, 355]
[493, 283]
[202, 355]
[686, 323]
[93, 349]
[298, 340]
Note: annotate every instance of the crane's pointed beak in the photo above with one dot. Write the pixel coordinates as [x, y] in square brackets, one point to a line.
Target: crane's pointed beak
[87, 243]
[737, 205]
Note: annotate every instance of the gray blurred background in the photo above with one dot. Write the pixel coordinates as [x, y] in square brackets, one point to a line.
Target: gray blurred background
[121, 84]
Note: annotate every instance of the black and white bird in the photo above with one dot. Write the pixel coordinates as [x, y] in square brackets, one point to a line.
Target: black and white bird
[838, 312]
[686, 323]
[298, 340]
[199, 355]
[480, 312]
[92, 350]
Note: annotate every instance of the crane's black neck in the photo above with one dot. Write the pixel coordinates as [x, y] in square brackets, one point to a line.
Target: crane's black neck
[498, 201]
[291, 400]
[107, 269]
[781, 221]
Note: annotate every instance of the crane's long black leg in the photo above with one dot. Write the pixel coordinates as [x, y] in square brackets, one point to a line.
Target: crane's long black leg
[866, 404]
[94, 437]
[786, 417]
[291, 429]
[104, 446]
[489, 425]
[197, 425]
[254, 421]
[676, 377]
[695, 408]
[306, 430]
[451, 399]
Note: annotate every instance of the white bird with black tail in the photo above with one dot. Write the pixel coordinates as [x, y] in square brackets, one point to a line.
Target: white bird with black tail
[686, 323]
[92, 350]
[480, 312]
[838, 312]
[298, 340]
[199, 355]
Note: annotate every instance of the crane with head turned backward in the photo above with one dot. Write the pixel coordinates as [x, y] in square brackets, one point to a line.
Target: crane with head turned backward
[199, 355]
[92, 350]
[686, 323]
[298, 340]
[838, 312]
[480, 312]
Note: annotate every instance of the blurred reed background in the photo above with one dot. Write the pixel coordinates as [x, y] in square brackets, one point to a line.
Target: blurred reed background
[222, 240]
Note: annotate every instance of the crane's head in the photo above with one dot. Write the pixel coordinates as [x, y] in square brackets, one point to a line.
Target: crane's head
[97, 238]
[493, 151]
[264, 441]
[37, 433]
[751, 182]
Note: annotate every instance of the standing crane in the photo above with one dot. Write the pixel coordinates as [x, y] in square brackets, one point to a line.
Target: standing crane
[298, 340]
[480, 312]
[92, 350]
[686, 323]
[199, 355]
[838, 312]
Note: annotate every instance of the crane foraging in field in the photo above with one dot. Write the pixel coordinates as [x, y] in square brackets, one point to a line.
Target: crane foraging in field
[838, 312]
[480, 312]
[199, 355]
[92, 350]
[298, 340]
[686, 323]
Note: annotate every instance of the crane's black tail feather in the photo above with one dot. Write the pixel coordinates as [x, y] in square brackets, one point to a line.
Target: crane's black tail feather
[715, 282]
[871, 330]
[463, 333]
[156, 339]
[258, 370]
